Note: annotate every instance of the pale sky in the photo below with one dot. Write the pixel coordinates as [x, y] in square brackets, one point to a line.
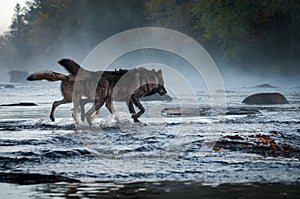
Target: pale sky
[7, 12]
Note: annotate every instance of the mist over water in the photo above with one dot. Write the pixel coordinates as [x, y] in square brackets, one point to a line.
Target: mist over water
[155, 58]
[232, 75]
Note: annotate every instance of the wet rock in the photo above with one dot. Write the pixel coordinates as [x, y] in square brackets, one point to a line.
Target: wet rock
[157, 97]
[183, 112]
[32, 178]
[242, 111]
[7, 86]
[262, 144]
[20, 104]
[206, 111]
[266, 98]
[224, 91]
[265, 86]
[234, 137]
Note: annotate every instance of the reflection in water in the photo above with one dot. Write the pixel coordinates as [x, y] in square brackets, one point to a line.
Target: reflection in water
[151, 190]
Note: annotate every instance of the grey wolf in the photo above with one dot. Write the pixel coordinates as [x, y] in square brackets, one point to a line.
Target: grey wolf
[104, 87]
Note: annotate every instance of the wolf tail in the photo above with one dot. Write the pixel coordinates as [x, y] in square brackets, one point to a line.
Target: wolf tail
[71, 66]
[47, 75]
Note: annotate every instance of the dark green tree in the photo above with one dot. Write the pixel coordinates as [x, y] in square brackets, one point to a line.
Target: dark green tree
[251, 31]
[174, 14]
[18, 25]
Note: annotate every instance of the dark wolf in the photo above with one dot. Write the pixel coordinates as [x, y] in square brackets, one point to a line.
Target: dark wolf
[92, 84]
[66, 87]
[104, 87]
[67, 84]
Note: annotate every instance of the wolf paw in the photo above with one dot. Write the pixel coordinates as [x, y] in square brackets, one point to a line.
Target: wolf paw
[52, 118]
[136, 120]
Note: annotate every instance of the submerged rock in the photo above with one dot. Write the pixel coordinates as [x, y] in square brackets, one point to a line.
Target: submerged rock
[33, 178]
[157, 97]
[224, 91]
[242, 111]
[194, 112]
[266, 98]
[265, 86]
[20, 104]
[181, 111]
[7, 86]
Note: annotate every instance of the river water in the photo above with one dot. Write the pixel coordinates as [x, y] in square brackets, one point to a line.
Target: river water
[231, 154]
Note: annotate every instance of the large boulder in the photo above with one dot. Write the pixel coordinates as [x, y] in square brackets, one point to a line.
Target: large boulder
[266, 98]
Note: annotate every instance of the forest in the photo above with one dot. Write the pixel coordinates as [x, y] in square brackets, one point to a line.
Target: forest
[241, 34]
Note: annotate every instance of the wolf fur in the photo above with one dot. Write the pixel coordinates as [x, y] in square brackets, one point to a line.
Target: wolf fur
[95, 85]
[47, 75]
[104, 87]
[67, 84]
[66, 87]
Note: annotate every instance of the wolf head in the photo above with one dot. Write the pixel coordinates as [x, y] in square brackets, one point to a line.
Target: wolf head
[156, 82]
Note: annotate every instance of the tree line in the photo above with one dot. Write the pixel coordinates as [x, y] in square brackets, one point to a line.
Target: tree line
[246, 33]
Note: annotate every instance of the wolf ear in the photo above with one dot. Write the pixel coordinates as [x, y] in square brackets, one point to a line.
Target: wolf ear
[159, 72]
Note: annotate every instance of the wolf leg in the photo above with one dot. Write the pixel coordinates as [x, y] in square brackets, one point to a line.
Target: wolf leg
[95, 115]
[76, 104]
[97, 105]
[82, 103]
[131, 109]
[109, 105]
[130, 106]
[89, 114]
[83, 115]
[140, 106]
[55, 105]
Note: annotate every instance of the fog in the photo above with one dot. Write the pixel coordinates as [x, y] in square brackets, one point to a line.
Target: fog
[76, 31]
[156, 58]
[233, 77]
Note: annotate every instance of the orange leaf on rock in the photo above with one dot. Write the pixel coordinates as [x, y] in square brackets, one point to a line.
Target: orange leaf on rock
[216, 148]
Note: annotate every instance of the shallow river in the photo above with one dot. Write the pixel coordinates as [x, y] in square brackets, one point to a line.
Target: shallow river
[195, 156]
